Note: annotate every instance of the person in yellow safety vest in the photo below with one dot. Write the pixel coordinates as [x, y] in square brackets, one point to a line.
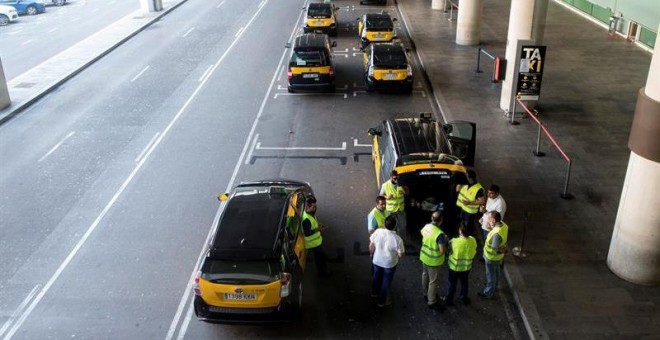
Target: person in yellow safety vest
[432, 255]
[470, 198]
[494, 251]
[461, 253]
[313, 238]
[395, 204]
[376, 218]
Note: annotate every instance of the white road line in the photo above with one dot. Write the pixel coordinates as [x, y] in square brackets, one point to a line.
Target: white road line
[188, 289]
[188, 32]
[18, 310]
[345, 87]
[56, 146]
[206, 73]
[153, 139]
[26, 42]
[280, 75]
[342, 51]
[53, 29]
[262, 3]
[119, 192]
[311, 94]
[186, 321]
[75, 19]
[356, 144]
[240, 30]
[288, 148]
[249, 156]
[139, 74]
[111, 2]
[220, 4]
[95, 10]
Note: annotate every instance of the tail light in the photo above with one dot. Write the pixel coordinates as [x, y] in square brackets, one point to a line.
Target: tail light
[409, 69]
[289, 74]
[371, 71]
[196, 288]
[332, 72]
[285, 288]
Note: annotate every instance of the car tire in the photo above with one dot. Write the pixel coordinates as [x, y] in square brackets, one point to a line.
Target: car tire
[332, 88]
[333, 32]
[4, 20]
[31, 10]
[291, 90]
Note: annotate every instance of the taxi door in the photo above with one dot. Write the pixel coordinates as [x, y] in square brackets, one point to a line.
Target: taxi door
[462, 137]
[294, 228]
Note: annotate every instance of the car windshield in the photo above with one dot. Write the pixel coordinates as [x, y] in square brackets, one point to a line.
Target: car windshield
[379, 24]
[308, 58]
[316, 11]
[391, 59]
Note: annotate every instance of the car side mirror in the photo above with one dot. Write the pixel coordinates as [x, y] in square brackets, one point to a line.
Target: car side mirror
[334, 44]
[287, 45]
[373, 132]
[395, 19]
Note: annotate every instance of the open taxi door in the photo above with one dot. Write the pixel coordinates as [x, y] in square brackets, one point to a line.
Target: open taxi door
[462, 137]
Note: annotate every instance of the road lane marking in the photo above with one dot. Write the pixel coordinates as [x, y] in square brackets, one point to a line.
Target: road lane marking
[356, 144]
[188, 32]
[120, 191]
[281, 73]
[26, 42]
[56, 146]
[310, 94]
[206, 73]
[186, 321]
[18, 310]
[249, 156]
[289, 148]
[53, 30]
[75, 19]
[240, 31]
[262, 3]
[188, 289]
[153, 139]
[95, 10]
[220, 4]
[139, 74]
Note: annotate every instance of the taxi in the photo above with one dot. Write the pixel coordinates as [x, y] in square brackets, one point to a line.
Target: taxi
[430, 158]
[254, 265]
[376, 27]
[321, 18]
[311, 66]
[387, 67]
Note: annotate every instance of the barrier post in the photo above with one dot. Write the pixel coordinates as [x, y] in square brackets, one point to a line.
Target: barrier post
[520, 251]
[478, 59]
[513, 115]
[565, 194]
[538, 153]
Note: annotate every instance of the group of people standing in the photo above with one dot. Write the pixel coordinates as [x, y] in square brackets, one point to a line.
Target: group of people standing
[387, 247]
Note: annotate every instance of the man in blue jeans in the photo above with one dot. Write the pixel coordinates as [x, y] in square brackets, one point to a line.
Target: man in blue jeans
[494, 250]
[386, 248]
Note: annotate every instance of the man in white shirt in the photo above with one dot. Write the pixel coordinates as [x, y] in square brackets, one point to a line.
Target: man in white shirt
[386, 248]
[495, 202]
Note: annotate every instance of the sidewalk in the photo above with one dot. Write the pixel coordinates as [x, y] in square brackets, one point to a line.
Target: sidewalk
[39, 81]
[563, 287]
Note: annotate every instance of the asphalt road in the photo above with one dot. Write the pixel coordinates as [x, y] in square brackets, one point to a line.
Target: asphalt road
[109, 183]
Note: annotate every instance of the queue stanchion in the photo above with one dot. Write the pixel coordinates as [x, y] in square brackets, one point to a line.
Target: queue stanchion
[520, 251]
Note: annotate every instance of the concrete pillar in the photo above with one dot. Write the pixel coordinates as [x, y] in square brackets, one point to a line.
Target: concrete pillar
[151, 5]
[538, 22]
[5, 101]
[520, 28]
[438, 4]
[468, 24]
[635, 247]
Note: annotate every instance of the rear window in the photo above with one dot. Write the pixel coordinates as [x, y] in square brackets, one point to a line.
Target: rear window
[312, 57]
[239, 272]
[379, 24]
[319, 11]
[391, 59]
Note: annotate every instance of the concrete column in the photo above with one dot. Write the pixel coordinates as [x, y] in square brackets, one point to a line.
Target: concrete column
[635, 247]
[5, 101]
[151, 5]
[538, 22]
[520, 28]
[468, 24]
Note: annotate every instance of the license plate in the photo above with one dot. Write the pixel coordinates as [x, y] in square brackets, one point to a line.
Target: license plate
[310, 75]
[240, 297]
[318, 22]
[379, 36]
[390, 76]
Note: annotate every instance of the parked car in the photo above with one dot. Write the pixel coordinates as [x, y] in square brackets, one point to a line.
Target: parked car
[7, 14]
[376, 27]
[312, 63]
[386, 67]
[29, 7]
[321, 18]
[254, 265]
[52, 2]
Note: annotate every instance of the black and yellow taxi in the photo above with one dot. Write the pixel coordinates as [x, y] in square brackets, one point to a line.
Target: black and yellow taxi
[376, 27]
[321, 18]
[430, 158]
[254, 264]
[311, 66]
[387, 67]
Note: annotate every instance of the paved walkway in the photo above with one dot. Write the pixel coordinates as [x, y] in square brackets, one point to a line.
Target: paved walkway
[590, 85]
[563, 287]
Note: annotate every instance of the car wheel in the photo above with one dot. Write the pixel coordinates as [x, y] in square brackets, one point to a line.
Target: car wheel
[291, 90]
[31, 10]
[4, 20]
[333, 32]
